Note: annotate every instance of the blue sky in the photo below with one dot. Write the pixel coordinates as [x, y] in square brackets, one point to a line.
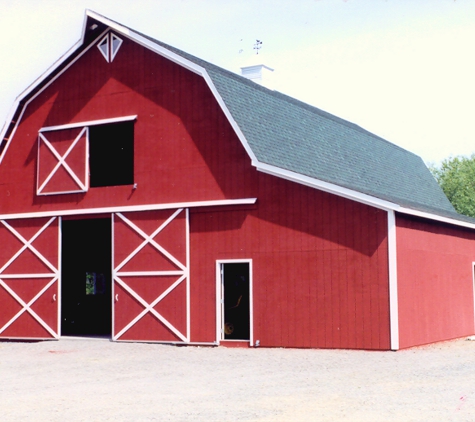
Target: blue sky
[403, 69]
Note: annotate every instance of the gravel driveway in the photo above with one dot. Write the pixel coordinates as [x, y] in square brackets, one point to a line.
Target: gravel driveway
[97, 380]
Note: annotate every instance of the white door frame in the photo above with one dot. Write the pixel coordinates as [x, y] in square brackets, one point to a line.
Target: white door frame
[220, 301]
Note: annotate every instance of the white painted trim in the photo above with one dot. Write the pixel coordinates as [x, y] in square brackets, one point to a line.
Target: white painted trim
[149, 240]
[62, 162]
[393, 285]
[113, 52]
[28, 244]
[26, 307]
[113, 275]
[219, 303]
[220, 299]
[435, 217]
[54, 276]
[149, 308]
[187, 64]
[188, 272]
[326, 187]
[130, 208]
[60, 272]
[182, 274]
[105, 53]
[89, 123]
[473, 288]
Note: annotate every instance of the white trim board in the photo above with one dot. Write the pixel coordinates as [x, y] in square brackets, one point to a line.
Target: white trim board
[89, 123]
[130, 208]
[393, 286]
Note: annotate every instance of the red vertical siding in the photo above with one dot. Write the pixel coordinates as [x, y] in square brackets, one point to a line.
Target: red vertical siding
[319, 268]
[185, 149]
[435, 281]
[319, 261]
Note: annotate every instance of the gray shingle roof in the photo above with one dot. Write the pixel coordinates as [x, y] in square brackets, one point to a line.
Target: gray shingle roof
[292, 135]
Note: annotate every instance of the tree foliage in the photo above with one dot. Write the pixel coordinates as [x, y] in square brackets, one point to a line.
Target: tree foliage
[456, 177]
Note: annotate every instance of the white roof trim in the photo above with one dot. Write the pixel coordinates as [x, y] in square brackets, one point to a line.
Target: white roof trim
[32, 86]
[327, 187]
[356, 196]
[435, 217]
[131, 208]
[185, 63]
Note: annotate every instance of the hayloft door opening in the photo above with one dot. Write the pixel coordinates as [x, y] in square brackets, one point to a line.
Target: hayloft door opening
[86, 308]
[235, 298]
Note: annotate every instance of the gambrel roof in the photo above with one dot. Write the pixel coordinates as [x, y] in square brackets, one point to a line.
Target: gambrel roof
[291, 139]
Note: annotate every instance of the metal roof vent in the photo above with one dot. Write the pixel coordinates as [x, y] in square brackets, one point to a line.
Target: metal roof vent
[259, 73]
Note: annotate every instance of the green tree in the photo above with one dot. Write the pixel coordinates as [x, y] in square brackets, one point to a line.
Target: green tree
[456, 177]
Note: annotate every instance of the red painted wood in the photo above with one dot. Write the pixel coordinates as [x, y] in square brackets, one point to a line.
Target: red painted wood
[172, 308]
[177, 133]
[319, 262]
[286, 277]
[435, 281]
[28, 287]
[61, 180]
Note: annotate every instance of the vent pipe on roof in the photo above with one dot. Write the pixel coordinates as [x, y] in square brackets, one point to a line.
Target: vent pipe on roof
[259, 73]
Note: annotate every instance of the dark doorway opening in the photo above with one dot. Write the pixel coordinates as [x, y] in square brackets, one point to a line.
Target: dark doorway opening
[235, 278]
[86, 277]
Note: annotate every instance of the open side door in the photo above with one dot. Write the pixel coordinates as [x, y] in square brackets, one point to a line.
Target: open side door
[151, 276]
[29, 277]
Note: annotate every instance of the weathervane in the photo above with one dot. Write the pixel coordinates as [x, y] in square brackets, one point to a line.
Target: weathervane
[257, 46]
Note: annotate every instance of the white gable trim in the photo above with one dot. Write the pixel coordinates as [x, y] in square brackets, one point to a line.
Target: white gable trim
[144, 42]
[36, 83]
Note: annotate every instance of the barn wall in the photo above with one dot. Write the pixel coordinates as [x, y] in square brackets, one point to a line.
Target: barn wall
[435, 281]
[320, 262]
[185, 149]
[319, 268]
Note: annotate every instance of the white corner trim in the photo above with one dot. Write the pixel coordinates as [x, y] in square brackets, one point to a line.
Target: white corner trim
[473, 291]
[130, 208]
[393, 286]
[89, 123]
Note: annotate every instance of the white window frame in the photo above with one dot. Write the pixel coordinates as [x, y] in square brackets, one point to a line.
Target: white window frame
[108, 42]
[220, 300]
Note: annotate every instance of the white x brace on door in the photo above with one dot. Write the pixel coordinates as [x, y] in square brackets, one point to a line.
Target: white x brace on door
[151, 287]
[29, 274]
[62, 165]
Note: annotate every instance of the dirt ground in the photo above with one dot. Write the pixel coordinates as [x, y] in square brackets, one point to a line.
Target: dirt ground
[98, 380]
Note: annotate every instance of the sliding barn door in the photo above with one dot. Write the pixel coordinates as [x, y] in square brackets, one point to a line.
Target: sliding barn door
[151, 284]
[29, 274]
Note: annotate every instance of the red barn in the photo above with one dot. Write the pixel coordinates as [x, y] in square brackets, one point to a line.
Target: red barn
[147, 195]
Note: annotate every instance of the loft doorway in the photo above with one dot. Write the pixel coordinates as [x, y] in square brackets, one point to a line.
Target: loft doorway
[235, 294]
[86, 308]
